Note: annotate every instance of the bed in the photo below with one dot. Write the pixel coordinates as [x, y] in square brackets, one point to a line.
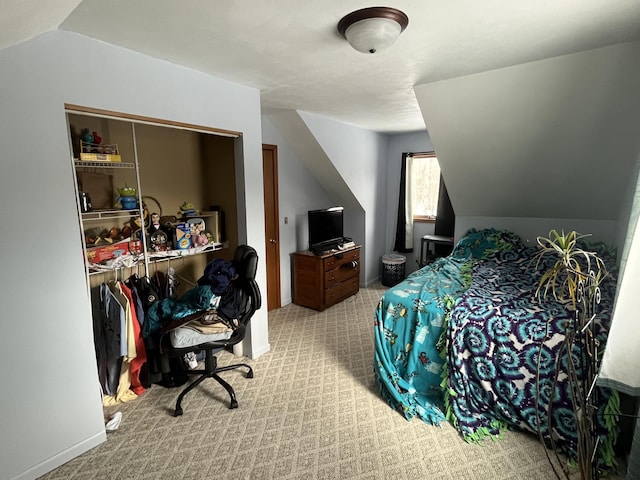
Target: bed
[459, 340]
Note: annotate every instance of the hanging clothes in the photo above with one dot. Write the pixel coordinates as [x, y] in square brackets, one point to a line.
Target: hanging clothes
[102, 331]
[137, 363]
[127, 345]
[108, 329]
[147, 292]
[137, 300]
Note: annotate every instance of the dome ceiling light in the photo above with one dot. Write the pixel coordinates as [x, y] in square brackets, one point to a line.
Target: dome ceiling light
[370, 30]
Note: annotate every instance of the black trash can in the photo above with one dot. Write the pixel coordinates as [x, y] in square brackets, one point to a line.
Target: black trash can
[392, 269]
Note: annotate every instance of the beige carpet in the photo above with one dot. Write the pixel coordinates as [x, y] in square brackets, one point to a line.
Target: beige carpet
[311, 412]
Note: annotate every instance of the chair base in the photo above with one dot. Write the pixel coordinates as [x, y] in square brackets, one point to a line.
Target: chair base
[211, 370]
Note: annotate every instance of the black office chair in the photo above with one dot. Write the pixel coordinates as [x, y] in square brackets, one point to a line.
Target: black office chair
[245, 262]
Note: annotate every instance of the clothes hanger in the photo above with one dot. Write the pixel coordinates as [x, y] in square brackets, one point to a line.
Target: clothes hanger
[186, 280]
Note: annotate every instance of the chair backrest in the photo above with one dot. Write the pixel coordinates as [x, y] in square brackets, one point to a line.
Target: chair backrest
[245, 262]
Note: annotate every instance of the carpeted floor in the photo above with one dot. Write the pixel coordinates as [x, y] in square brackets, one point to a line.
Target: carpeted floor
[312, 411]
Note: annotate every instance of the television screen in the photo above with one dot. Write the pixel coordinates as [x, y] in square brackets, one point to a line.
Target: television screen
[325, 227]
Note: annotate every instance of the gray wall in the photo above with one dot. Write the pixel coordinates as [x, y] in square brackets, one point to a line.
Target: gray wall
[552, 139]
[298, 192]
[51, 405]
[350, 165]
[359, 156]
[366, 161]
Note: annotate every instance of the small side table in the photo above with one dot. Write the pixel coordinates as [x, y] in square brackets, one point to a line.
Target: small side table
[428, 245]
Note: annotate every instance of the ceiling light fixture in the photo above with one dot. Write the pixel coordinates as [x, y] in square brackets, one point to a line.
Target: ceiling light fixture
[370, 30]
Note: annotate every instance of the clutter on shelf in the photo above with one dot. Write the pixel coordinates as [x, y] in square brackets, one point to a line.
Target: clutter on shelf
[92, 148]
[164, 236]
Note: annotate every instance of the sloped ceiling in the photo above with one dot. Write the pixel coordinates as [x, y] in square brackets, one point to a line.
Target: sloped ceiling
[292, 52]
[555, 138]
[22, 20]
[519, 117]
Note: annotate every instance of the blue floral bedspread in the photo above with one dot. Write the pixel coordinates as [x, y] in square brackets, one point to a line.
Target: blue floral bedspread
[481, 372]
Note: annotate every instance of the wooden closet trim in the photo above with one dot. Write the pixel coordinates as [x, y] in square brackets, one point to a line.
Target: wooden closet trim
[154, 121]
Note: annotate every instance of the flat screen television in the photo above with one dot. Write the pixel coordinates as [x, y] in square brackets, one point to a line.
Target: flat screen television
[325, 228]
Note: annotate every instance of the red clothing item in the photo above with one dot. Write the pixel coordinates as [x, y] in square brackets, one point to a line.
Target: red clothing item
[141, 353]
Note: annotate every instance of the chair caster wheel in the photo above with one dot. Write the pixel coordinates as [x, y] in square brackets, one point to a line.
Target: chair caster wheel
[250, 374]
[234, 404]
[178, 412]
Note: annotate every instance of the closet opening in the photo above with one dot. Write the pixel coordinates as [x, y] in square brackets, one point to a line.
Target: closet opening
[157, 201]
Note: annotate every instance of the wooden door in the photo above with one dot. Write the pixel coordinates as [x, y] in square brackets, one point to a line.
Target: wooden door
[272, 229]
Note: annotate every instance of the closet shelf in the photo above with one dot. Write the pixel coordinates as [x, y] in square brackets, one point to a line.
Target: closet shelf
[96, 164]
[128, 260]
[102, 214]
[135, 260]
[173, 254]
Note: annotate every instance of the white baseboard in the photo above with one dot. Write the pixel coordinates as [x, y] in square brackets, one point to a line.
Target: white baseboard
[372, 281]
[63, 457]
[261, 351]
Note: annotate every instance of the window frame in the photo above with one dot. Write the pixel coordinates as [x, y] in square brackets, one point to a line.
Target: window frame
[425, 218]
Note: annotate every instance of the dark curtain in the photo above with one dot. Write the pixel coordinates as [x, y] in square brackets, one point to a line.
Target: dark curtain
[400, 245]
[445, 219]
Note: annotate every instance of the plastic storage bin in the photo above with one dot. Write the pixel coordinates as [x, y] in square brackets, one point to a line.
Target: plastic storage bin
[392, 269]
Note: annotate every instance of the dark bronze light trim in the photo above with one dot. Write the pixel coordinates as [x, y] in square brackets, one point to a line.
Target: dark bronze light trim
[373, 12]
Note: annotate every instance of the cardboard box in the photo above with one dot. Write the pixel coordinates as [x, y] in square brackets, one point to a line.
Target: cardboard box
[213, 225]
[91, 152]
[107, 252]
[183, 236]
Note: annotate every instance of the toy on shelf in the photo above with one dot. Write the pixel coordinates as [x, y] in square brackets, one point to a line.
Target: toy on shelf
[92, 148]
[87, 136]
[187, 210]
[198, 236]
[159, 234]
[96, 236]
[128, 198]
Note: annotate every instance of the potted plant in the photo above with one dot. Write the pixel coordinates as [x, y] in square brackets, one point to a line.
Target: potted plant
[574, 279]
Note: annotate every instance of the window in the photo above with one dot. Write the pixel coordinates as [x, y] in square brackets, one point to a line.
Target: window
[425, 186]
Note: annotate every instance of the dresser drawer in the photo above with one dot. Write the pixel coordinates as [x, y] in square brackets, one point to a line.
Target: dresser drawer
[342, 273]
[342, 290]
[339, 259]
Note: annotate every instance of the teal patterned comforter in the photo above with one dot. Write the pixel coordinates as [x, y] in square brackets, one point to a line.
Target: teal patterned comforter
[460, 340]
[409, 321]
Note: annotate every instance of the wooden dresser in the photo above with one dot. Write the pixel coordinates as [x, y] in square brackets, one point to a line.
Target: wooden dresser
[320, 281]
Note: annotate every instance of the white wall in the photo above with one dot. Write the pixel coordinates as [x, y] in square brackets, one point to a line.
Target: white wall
[51, 407]
[298, 192]
[553, 138]
[331, 135]
[629, 214]
[360, 157]
[530, 228]
[350, 164]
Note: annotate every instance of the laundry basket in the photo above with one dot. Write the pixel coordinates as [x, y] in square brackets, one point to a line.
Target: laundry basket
[392, 269]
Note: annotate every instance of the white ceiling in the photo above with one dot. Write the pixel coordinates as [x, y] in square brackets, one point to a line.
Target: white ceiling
[291, 51]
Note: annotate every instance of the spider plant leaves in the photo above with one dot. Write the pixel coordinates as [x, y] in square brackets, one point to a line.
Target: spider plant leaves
[573, 266]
